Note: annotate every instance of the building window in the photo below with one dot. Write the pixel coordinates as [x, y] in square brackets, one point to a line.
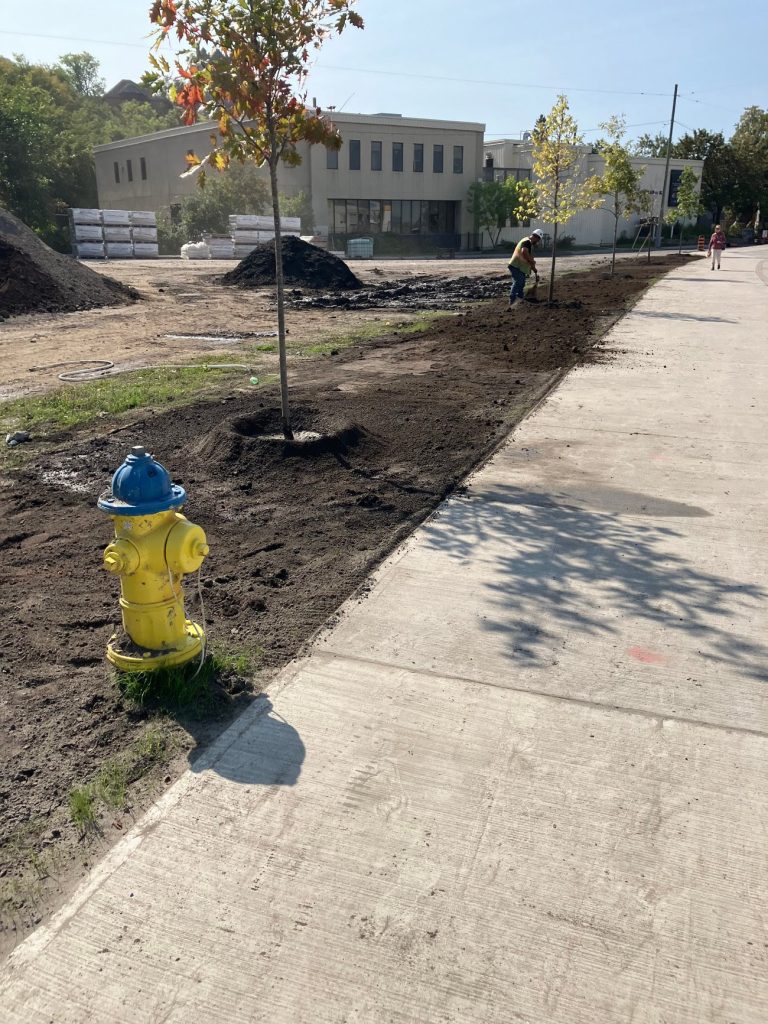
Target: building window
[143, 164]
[458, 159]
[397, 156]
[354, 154]
[129, 168]
[375, 156]
[395, 216]
[437, 159]
[332, 159]
[116, 167]
[418, 157]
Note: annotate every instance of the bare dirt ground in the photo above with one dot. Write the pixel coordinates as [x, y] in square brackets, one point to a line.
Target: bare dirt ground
[294, 529]
[183, 298]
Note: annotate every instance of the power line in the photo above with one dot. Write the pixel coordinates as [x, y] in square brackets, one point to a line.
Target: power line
[482, 81]
[75, 39]
[639, 124]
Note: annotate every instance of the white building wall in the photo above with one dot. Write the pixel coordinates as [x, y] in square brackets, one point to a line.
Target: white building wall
[591, 227]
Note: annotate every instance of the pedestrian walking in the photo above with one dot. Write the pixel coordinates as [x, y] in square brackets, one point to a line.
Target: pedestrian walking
[716, 246]
[522, 265]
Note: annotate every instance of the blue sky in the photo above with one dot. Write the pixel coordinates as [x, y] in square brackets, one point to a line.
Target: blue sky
[500, 62]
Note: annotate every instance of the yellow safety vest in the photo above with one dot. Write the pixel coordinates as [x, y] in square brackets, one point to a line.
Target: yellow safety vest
[517, 260]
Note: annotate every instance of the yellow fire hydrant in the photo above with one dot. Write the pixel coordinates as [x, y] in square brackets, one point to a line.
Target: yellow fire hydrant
[155, 546]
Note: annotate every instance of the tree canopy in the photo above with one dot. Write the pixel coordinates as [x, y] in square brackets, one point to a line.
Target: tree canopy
[51, 117]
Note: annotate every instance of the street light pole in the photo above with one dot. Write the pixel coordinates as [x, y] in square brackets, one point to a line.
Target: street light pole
[666, 170]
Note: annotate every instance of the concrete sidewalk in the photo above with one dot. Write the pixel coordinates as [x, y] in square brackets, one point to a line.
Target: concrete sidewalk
[524, 779]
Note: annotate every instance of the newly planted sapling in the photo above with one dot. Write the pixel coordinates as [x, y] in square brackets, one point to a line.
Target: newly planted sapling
[244, 64]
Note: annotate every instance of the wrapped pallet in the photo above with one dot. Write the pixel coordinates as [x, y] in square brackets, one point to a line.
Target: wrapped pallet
[116, 217]
[143, 218]
[114, 233]
[221, 246]
[119, 250]
[88, 232]
[85, 216]
[145, 250]
[143, 234]
[89, 250]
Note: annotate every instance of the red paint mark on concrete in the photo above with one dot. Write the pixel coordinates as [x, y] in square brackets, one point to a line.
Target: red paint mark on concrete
[646, 656]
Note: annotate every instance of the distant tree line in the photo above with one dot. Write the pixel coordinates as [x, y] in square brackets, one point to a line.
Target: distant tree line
[51, 117]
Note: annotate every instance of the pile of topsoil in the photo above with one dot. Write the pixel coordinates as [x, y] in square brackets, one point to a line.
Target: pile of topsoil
[35, 279]
[303, 264]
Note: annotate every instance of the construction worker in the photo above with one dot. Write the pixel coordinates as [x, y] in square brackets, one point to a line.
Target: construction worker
[522, 265]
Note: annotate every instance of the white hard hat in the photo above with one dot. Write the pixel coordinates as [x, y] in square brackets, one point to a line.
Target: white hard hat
[538, 233]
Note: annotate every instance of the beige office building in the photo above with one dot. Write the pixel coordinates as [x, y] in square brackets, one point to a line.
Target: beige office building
[403, 177]
[395, 175]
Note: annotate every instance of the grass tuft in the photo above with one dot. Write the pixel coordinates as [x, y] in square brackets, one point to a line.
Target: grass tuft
[82, 810]
[111, 784]
[190, 689]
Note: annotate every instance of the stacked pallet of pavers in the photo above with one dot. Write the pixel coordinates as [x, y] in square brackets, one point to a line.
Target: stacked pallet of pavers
[250, 229]
[221, 246]
[117, 234]
[87, 234]
[113, 234]
[143, 234]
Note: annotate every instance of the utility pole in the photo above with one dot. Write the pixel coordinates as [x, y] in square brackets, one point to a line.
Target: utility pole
[666, 170]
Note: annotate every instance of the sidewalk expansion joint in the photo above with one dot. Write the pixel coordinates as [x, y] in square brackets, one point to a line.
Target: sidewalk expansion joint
[330, 655]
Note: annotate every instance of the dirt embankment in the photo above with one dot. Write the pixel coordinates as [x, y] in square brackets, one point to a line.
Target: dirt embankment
[293, 529]
[35, 279]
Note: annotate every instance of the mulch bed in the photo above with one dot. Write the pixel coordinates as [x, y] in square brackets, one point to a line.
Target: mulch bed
[293, 528]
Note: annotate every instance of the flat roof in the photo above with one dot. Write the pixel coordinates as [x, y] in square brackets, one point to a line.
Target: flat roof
[336, 117]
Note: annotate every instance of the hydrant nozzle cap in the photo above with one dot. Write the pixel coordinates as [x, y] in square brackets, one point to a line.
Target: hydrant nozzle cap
[141, 487]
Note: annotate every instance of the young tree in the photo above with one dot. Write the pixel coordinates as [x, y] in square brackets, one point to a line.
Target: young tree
[689, 204]
[620, 181]
[494, 203]
[560, 195]
[244, 63]
[489, 205]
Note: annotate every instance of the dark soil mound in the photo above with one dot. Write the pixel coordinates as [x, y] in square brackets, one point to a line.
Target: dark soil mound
[35, 279]
[303, 264]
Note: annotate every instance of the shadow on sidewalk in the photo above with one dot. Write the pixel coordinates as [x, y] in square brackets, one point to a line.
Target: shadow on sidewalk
[586, 569]
[266, 752]
[681, 316]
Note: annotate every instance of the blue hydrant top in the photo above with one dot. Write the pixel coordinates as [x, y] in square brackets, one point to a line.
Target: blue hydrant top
[141, 487]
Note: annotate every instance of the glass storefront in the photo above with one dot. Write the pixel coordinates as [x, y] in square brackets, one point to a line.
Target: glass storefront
[392, 216]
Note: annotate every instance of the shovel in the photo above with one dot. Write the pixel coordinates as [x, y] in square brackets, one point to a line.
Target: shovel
[531, 290]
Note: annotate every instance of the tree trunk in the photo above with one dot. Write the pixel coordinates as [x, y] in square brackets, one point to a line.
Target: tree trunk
[552, 268]
[285, 411]
[615, 234]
